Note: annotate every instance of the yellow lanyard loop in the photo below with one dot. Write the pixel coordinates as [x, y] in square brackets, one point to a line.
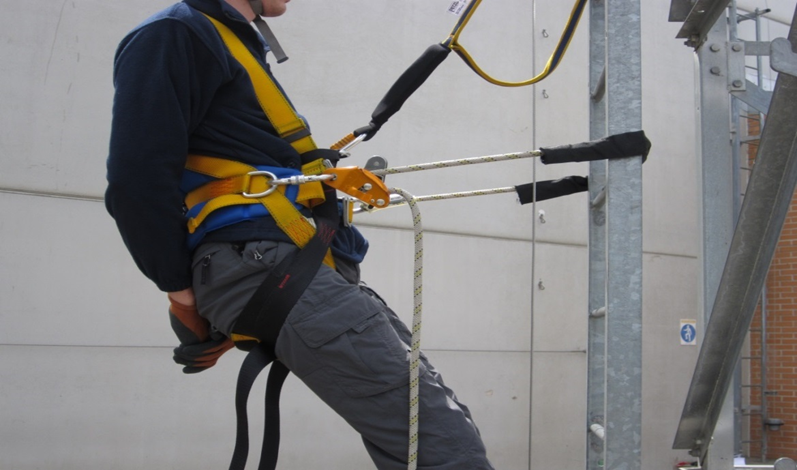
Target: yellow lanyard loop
[452, 42]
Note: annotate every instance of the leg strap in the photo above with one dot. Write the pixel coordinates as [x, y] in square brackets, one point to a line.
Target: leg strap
[257, 360]
[258, 327]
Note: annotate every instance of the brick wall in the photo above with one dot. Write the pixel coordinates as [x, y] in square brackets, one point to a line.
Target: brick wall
[781, 371]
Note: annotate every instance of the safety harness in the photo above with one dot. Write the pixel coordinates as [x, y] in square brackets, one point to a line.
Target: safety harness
[222, 192]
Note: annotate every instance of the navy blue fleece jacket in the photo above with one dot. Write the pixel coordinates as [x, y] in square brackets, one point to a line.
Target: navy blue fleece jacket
[179, 91]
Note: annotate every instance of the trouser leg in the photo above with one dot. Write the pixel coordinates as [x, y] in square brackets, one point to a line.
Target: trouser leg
[362, 373]
[353, 352]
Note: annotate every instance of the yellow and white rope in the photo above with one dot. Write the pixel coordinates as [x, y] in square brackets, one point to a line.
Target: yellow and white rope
[460, 162]
[398, 201]
[415, 348]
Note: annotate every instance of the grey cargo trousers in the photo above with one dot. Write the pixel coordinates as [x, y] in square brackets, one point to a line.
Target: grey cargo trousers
[352, 350]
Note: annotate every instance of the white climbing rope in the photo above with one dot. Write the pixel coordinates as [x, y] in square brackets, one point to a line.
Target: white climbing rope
[396, 200]
[460, 162]
[415, 347]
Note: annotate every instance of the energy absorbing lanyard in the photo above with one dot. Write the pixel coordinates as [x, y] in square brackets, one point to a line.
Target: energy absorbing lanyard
[422, 68]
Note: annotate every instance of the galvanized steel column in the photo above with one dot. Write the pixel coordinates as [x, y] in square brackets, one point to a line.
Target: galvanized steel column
[624, 241]
[717, 209]
[596, 352]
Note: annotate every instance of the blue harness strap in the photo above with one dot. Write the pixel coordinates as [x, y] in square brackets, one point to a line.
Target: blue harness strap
[231, 215]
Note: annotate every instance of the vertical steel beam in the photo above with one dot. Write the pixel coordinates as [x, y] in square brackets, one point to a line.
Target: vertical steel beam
[766, 203]
[596, 358]
[624, 241]
[717, 203]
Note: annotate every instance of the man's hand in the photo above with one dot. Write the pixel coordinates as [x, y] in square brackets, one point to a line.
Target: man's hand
[197, 350]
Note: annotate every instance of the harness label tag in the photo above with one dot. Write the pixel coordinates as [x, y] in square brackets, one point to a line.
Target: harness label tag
[458, 6]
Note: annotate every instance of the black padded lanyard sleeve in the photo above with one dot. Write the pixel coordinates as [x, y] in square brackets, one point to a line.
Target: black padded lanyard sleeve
[551, 189]
[404, 87]
[629, 144]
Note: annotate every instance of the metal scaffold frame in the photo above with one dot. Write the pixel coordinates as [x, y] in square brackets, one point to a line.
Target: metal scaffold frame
[735, 259]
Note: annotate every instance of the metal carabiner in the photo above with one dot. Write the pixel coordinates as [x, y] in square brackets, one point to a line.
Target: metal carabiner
[270, 176]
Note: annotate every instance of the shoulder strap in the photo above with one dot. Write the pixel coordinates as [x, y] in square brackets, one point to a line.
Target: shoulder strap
[276, 106]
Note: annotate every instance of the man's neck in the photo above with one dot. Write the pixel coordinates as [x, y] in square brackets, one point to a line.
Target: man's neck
[243, 8]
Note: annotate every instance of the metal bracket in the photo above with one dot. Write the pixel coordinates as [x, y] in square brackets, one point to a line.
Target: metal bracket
[376, 163]
[702, 16]
[781, 58]
[736, 66]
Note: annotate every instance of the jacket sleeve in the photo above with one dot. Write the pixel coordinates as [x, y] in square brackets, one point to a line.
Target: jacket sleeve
[163, 78]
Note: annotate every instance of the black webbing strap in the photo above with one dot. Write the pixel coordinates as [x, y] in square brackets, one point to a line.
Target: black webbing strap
[262, 318]
[629, 144]
[551, 189]
[258, 358]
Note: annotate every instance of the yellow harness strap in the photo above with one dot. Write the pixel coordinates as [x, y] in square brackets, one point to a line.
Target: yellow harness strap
[236, 178]
[285, 214]
[279, 111]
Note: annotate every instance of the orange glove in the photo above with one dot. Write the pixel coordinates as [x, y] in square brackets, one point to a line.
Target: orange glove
[198, 350]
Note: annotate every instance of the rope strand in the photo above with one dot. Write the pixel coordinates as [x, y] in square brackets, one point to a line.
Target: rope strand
[459, 162]
[415, 348]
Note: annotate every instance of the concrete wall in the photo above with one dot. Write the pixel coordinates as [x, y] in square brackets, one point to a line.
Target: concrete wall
[86, 378]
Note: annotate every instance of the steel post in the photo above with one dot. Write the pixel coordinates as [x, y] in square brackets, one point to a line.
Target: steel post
[624, 241]
[596, 358]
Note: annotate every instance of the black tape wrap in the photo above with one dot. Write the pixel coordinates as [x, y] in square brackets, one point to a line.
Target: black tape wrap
[405, 86]
[629, 144]
[552, 188]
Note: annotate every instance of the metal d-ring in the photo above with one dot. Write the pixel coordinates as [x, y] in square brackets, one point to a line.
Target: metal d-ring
[270, 176]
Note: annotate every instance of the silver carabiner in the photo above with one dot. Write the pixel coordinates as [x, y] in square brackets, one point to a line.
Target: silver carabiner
[271, 177]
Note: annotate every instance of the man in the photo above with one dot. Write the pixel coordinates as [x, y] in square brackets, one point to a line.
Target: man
[180, 92]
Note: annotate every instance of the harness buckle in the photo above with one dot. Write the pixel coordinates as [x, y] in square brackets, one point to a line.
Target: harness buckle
[269, 176]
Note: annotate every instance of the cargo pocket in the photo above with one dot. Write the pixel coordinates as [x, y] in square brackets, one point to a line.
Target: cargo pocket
[354, 342]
